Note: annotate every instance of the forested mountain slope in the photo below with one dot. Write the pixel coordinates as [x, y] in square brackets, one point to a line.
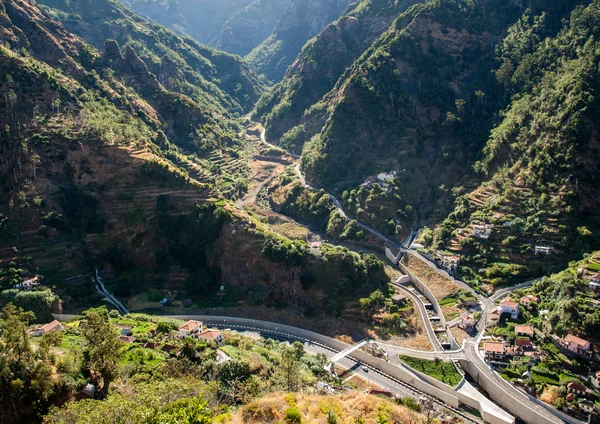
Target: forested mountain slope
[270, 33]
[318, 67]
[91, 140]
[234, 26]
[302, 20]
[423, 98]
[177, 62]
[540, 164]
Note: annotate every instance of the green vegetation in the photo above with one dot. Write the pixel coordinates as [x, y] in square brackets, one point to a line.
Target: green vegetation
[190, 382]
[444, 371]
[40, 302]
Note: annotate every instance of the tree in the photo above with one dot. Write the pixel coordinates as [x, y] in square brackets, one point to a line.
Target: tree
[13, 331]
[290, 369]
[102, 348]
[25, 382]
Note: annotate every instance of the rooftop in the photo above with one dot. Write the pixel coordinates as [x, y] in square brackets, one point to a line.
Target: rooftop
[575, 340]
[191, 325]
[494, 347]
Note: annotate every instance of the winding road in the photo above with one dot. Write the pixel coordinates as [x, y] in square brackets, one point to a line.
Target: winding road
[527, 407]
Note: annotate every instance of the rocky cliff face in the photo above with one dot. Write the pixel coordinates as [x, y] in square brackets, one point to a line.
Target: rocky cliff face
[319, 66]
[250, 26]
[302, 20]
[206, 72]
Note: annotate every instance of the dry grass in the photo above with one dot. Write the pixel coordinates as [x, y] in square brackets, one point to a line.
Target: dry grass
[439, 285]
[291, 230]
[314, 409]
[417, 342]
[459, 334]
[550, 395]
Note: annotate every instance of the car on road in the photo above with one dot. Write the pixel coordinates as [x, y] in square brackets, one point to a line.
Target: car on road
[365, 369]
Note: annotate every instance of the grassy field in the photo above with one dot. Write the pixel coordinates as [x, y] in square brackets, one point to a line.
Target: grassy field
[444, 371]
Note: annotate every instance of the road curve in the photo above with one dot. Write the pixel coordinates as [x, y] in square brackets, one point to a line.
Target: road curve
[435, 343]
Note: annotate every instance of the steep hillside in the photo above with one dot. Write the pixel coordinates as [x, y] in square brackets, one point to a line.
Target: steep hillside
[210, 77]
[94, 149]
[234, 26]
[540, 163]
[318, 67]
[103, 166]
[302, 20]
[420, 100]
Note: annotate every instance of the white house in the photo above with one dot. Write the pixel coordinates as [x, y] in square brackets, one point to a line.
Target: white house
[210, 335]
[482, 231]
[190, 329]
[28, 284]
[508, 306]
[386, 176]
[543, 249]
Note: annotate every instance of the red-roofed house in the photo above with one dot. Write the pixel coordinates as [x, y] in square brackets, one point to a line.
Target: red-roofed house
[169, 348]
[524, 330]
[528, 300]
[190, 329]
[577, 345]
[510, 307]
[494, 351]
[523, 345]
[494, 316]
[210, 335]
[53, 326]
[577, 388]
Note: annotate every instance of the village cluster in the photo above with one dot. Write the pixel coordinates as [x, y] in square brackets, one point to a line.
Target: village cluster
[526, 347]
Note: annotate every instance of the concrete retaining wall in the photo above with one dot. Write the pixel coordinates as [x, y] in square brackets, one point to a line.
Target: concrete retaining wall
[425, 290]
[391, 257]
[528, 415]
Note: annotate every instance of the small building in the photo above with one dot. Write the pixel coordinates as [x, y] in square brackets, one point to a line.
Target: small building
[494, 318]
[594, 284]
[544, 249]
[482, 231]
[150, 345]
[53, 326]
[127, 339]
[524, 330]
[528, 300]
[508, 306]
[28, 284]
[570, 397]
[467, 322]
[386, 176]
[399, 299]
[210, 335]
[577, 388]
[595, 379]
[190, 329]
[494, 351]
[168, 348]
[586, 406]
[523, 344]
[451, 262]
[577, 345]
[125, 330]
